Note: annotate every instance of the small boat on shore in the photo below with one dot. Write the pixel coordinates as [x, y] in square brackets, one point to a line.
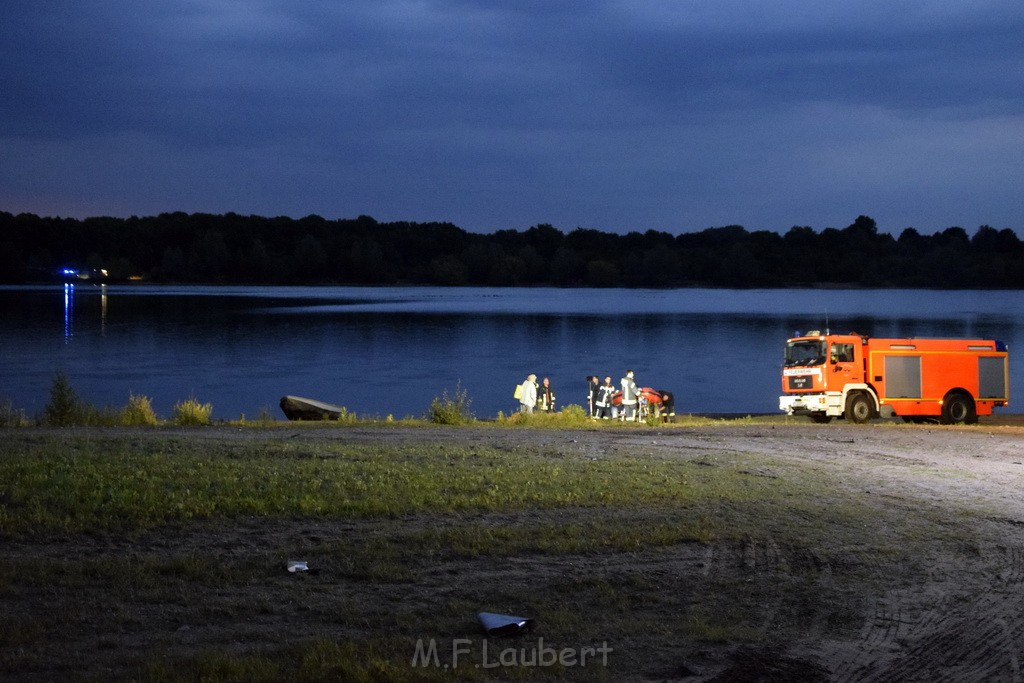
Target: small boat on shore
[298, 408]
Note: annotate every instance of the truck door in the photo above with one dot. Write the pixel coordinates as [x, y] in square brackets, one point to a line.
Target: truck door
[843, 367]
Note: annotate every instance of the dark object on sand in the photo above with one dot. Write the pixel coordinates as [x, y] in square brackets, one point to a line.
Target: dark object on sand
[298, 408]
[503, 624]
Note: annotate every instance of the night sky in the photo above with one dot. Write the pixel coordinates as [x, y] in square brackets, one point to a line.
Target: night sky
[632, 115]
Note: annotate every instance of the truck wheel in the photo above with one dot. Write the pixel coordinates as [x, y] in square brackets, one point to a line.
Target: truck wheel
[858, 408]
[958, 409]
[821, 418]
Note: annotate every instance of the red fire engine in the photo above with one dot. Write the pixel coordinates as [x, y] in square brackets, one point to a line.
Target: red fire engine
[860, 378]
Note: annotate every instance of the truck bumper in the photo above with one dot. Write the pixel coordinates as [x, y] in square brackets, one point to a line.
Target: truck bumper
[829, 403]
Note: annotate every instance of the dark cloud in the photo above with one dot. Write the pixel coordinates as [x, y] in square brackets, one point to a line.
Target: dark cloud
[616, 115]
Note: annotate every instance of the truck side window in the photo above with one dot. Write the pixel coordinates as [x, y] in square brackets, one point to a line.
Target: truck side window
[842, 353]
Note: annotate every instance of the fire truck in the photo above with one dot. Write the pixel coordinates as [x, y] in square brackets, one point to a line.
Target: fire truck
[858, 378]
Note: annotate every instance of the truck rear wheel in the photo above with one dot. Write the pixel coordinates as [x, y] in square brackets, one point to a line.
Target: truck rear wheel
[958, 408]
[858, 408]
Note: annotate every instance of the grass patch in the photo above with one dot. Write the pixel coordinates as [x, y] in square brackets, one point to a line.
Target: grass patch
[173, 546]
[79, 483]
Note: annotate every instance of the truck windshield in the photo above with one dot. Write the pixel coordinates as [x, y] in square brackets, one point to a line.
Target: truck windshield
[805, 352]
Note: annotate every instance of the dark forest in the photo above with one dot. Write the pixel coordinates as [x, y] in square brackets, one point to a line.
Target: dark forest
[236, 249]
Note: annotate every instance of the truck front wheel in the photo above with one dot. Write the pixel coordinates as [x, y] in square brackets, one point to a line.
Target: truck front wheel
[958, 409]
[858, 408]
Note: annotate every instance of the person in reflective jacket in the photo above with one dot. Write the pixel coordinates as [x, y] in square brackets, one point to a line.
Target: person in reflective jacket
[604, 399]
[630, 394]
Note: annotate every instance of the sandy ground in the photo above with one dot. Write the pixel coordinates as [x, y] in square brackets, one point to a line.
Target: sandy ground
[961, 619]
[957, 616]
[964, 619]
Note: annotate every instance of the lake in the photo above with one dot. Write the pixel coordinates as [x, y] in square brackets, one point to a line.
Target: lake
[391, 350]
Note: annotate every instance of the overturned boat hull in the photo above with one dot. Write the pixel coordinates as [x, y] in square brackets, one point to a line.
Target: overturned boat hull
[298, 408]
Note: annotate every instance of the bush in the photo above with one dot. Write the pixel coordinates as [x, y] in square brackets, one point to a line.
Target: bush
[570, 416]
[345, 416]
[191, 412]
[574, 414]
[447, 410]
[138, 412]
[64, 408]
[11, 416]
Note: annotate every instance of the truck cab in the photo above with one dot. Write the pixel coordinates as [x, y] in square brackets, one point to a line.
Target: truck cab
[819, 373]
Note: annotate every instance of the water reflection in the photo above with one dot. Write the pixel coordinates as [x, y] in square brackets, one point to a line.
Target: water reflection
[391, 350]
[69, 310]
[103, 308]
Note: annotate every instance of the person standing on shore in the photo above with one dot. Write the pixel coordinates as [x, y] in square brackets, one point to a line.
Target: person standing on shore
[604, 399]
[546, 397]
[528, 396]
[630, 395]
[593, 390]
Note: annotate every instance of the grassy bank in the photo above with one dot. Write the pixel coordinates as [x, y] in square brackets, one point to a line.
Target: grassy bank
[160, 555]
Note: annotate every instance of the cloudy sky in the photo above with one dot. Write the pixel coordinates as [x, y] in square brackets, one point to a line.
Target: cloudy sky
[619, 115]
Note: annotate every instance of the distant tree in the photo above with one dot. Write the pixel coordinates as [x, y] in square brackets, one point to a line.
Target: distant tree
[953, 237]
[508, 271]
[660, 268]
[601, 273]
[236, 248]
[367, 259]
[172, 267]
[448, 270]
[478, 258]
[863, 227]
[545, 239]
[256, 265]
[310, 259]
[986, 239]
[535, 266]
[209, 257]
[567, 268]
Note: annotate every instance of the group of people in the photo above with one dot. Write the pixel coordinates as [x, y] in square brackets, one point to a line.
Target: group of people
[601, 397]
[533, 396]
[604, 401]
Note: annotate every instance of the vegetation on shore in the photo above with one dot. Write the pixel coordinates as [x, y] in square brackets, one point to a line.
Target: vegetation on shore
[65, 408]
[229, 248]
[179, 545]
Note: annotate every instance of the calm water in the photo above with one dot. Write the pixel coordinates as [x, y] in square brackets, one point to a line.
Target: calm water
[390, 350]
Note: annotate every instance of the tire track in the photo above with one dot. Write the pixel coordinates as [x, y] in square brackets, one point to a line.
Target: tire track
[941, 633]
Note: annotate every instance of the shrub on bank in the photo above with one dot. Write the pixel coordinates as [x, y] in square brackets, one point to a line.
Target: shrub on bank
[138, 412]
[191, 412]
[571, 415]
[451, 410]
[64, 408]
[11, 416]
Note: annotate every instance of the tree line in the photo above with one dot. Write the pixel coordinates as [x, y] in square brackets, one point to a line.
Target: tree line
[231, 248]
